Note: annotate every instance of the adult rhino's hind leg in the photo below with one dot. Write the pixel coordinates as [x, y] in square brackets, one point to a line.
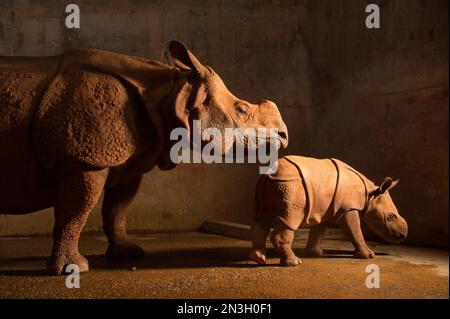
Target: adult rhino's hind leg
[282, 238]
[315, 236]
[78, 190]
[260, 231]
[114, 213]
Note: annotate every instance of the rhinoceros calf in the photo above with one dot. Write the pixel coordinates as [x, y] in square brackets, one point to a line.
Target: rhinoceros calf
[307, 192]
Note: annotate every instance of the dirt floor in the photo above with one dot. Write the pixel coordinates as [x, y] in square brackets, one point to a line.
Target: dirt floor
[199, 265]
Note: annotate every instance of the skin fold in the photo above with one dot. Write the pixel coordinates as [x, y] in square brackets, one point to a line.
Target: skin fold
[88, 121]
[308, 193]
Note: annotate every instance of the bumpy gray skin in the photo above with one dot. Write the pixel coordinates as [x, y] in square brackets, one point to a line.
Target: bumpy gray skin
[88, 120]
[307, 192]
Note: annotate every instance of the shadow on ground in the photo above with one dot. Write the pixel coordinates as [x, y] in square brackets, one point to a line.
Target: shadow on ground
[234, 257]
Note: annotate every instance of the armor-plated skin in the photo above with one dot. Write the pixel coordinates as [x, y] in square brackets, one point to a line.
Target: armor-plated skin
[307, 192]
[88, 120]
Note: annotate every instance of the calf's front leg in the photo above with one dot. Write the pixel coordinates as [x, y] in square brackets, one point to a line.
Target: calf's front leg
[78, 190]
[352, 226]
[116, 201]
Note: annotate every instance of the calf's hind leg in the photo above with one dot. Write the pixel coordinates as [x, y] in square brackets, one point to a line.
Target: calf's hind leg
[78, 190]
[282, 238]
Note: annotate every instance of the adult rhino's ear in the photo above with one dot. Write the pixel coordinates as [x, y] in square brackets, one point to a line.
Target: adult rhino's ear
[179, 56]
[388, 184]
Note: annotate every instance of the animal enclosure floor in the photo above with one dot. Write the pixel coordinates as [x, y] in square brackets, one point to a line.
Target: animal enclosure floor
[199, 265]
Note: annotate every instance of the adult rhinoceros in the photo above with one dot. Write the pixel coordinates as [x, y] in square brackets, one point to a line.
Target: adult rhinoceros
[85, 121]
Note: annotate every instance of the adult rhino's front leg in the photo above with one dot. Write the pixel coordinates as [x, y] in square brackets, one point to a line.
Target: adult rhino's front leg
[116, 201]
[260, 230]
[78, 190]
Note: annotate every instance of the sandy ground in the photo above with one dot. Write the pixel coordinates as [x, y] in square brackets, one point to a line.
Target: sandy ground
[198, 265]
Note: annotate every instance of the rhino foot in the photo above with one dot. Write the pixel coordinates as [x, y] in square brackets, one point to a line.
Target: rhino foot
[313, 252]
[290, 261]
[365, 253]
[57, 265]
[124, 250]
[258, 256]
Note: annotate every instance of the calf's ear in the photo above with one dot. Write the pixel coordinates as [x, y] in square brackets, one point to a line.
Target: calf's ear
[388, 184]
[179, 56]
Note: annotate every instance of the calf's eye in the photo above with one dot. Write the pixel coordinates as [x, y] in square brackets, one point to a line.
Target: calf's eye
[391, 217]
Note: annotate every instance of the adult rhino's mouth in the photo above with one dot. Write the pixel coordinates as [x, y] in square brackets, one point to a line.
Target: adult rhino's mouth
[284, 140]
[253, 142]
[281, 141]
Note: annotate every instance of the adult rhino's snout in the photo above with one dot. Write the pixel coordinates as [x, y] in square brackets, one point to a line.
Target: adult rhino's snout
[272, 115]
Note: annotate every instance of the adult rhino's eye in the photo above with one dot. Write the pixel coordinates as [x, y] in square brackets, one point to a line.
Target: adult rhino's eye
[242, 109]
[391, 217]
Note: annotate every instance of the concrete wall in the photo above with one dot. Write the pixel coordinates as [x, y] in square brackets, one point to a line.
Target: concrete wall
[381, 101]
[377, 99]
